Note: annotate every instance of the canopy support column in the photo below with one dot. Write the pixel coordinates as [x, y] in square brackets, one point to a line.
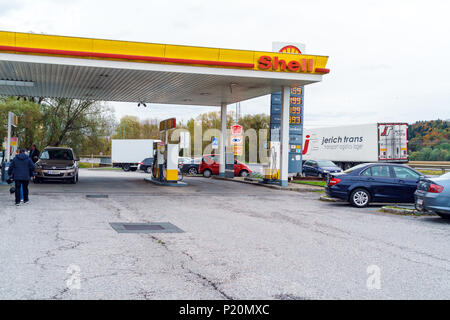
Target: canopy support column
[284, 136]
[223, 138]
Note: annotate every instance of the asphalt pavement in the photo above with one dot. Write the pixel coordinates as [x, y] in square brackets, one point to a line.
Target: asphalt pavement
[239, 242]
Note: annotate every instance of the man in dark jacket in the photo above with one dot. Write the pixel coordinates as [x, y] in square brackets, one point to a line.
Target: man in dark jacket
[21, 170]
[34, 153]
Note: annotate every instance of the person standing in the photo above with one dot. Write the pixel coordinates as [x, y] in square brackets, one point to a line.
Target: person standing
[34, 153]
[21, 170]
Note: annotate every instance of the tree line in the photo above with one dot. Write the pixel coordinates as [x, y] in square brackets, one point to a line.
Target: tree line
[84, 125]
[429, 140]
[207, 125]
[88, 127]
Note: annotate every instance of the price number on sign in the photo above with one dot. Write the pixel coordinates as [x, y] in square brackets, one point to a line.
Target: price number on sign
[296, 90]
[296, 100]
[295, 120]
[296, 110]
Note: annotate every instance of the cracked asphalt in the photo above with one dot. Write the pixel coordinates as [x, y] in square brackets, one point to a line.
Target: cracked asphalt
[240, 242]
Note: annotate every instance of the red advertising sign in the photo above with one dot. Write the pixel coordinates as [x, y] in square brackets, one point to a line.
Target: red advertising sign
[237, 130]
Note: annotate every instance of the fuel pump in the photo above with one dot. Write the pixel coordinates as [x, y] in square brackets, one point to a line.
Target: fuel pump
[158, 162]
[272, 171]
[165, 164]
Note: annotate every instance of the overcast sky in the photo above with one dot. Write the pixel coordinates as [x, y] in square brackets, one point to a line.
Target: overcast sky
[389, 59]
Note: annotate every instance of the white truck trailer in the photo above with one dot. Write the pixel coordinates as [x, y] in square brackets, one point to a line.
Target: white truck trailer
[348, 146]
[128, 153]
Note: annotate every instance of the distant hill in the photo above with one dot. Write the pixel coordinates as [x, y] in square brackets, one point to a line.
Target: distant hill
[429, 140]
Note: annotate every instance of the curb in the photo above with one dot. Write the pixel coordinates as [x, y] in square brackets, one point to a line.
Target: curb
[305, 184]
[405, 212]
[307, 189]
[328, 199]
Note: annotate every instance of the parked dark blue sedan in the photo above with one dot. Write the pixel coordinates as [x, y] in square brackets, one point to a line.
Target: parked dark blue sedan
[374, 182]
[319, 168]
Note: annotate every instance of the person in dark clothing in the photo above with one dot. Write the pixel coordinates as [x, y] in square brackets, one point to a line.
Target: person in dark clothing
[21, 170]
[34, 153]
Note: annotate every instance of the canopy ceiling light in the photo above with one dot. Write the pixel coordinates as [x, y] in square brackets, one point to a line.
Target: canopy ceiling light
[16, 83]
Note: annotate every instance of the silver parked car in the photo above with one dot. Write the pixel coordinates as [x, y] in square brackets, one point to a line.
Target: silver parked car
[433, 194]
[57, 164]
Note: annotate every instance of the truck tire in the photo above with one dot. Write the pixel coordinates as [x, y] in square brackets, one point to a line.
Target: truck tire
[126, 167]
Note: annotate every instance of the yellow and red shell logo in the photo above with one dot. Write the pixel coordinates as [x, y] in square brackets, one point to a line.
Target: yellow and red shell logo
[290, 49]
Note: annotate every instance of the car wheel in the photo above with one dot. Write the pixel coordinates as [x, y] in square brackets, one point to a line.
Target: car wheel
[360, 198]
[243, 173]
[443, 215]
[192, 171]
[207, 173]
[126, 167]
[148, 170]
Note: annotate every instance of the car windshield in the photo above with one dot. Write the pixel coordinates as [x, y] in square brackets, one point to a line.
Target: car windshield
[57, 154]
[359, 166]
[326, 164]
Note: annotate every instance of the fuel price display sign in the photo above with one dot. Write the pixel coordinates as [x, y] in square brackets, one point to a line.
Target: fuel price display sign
[295, 125]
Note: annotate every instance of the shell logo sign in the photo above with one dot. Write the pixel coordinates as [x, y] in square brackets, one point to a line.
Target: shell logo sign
[291, 49]
[277, 64]
[295, 65]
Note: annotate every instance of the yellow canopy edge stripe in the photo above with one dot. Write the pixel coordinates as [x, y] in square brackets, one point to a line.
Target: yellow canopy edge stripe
[141, 49]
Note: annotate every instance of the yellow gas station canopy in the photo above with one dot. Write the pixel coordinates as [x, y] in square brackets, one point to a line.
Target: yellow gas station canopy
[108, 70]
